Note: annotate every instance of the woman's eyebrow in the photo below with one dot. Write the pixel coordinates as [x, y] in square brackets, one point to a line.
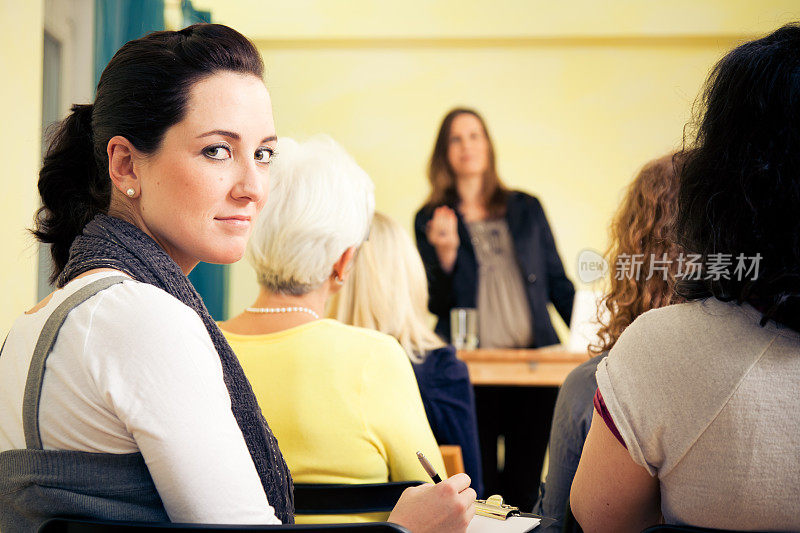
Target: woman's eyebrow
[224, 133]
[233, 135]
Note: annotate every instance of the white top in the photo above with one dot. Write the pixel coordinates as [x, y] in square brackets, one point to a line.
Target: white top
[707, 400]
[134, 369]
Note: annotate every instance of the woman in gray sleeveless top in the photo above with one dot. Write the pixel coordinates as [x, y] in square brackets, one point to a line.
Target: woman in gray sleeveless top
[697, 415]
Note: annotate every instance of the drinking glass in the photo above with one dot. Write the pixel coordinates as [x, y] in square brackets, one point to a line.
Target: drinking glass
[464, 328]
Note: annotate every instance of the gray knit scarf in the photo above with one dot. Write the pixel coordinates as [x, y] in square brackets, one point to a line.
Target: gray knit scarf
[109, 242]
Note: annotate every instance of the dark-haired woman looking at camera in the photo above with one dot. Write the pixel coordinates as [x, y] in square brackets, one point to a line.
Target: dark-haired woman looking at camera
[491, 248]
[696, 416]
[119, 397]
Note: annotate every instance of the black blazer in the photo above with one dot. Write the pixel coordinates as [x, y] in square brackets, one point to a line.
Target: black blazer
[535, 250]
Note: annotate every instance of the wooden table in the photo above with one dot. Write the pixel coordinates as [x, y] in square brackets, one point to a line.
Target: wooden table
[541, 367]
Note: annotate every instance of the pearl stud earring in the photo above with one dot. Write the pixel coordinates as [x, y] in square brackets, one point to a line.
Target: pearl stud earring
[130, 192]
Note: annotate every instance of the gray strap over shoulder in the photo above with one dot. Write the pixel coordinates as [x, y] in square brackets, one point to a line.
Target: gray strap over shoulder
[47, 338]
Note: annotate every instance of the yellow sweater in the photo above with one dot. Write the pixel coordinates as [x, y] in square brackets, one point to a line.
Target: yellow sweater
[343, 403]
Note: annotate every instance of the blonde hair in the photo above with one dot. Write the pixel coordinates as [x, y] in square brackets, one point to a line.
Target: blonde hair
[387, 290]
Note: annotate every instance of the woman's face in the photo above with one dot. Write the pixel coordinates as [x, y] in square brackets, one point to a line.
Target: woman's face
[202, 190]
[468, 147]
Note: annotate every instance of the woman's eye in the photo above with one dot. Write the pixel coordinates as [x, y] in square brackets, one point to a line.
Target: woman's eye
[264, 155]
[217, 152]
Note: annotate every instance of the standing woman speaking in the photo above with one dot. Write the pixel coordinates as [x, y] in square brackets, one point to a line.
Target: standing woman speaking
[491, 248]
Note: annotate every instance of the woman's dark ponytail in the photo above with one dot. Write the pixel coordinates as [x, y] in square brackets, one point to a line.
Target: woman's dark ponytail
[70, 185]
[142, 92]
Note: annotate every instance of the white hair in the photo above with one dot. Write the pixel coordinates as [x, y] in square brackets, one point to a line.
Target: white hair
[388, 291]
[320, 204]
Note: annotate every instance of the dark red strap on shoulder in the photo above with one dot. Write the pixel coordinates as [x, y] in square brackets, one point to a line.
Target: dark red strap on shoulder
[600, 407]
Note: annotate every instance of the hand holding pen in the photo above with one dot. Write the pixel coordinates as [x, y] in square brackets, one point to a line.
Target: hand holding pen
[446, 507]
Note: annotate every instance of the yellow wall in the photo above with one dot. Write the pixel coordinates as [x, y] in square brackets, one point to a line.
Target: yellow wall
[21, 94]
[578, 94]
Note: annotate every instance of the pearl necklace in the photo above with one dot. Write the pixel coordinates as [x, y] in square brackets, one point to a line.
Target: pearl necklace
[296, 309]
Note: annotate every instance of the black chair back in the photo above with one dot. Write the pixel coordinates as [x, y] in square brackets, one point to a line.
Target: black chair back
[345, 498]
[66, 525]
[666, 528]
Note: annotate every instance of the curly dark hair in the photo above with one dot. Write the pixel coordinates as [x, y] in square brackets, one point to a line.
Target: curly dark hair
[642, 225]
[740, 185]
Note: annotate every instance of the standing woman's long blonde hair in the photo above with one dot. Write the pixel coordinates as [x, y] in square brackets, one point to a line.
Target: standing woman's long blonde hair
[387, 290]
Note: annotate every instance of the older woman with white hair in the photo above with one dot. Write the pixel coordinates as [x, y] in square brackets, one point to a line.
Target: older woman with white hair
[388, 292]
[342, 401]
